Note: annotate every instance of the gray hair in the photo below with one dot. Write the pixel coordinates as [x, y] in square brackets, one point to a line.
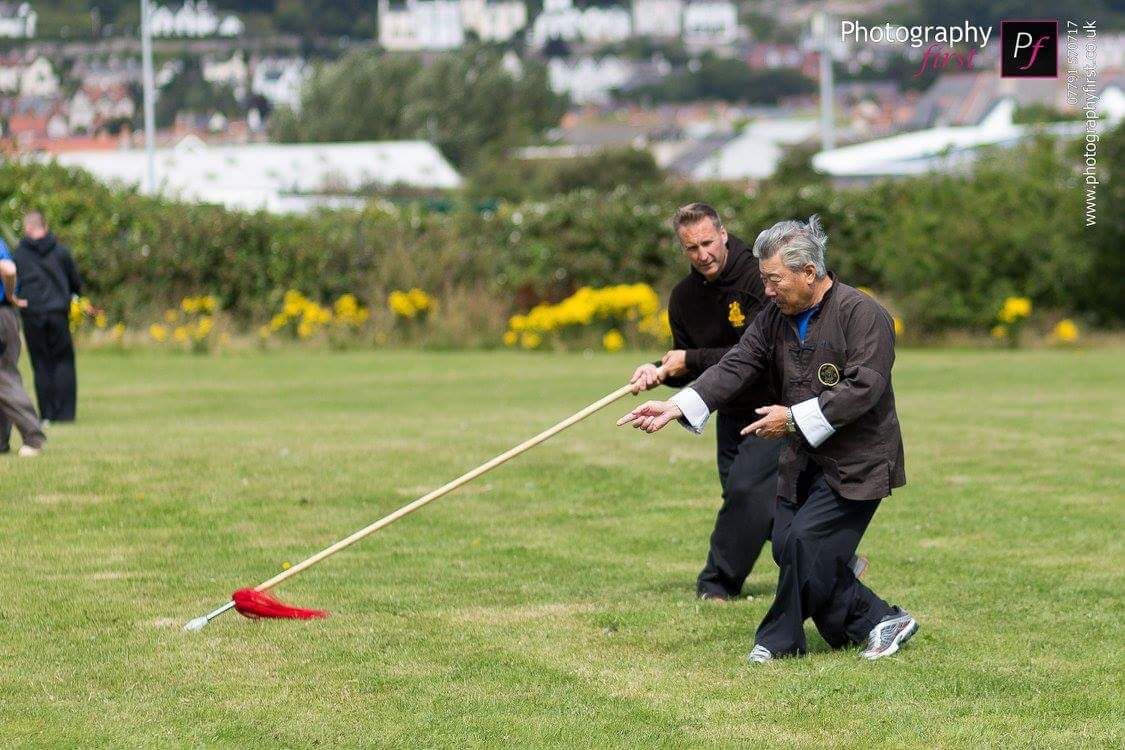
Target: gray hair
[798, 243]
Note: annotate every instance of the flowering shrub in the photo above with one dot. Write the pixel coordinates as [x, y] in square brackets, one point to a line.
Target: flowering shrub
[410, 305]
[1012, 315]
[613, 340]
[348, 313]
[190, 325]
[299, 316]
[81, 311]
[633, 305]
[1065, 331]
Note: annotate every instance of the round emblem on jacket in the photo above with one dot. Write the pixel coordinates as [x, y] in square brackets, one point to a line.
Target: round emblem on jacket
[828, 374]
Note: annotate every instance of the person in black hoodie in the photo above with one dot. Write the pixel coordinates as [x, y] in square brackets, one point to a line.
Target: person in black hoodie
[708, 311]
[48, 281]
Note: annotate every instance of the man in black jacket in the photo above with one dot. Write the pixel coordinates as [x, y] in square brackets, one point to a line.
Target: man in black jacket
[708, 311]
[830, 348]
[48, 281]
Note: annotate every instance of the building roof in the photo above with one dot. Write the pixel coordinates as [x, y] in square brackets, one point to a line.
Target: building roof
[928, 150]
[264, 175]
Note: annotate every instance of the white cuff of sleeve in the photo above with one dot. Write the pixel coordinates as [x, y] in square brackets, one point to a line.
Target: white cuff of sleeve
[810, 420]
[694, 410]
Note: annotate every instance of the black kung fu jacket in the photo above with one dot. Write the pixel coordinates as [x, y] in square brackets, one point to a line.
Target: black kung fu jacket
[709, 317]
[838, 384]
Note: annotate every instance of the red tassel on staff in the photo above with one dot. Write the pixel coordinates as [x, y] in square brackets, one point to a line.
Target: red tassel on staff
[254, 604]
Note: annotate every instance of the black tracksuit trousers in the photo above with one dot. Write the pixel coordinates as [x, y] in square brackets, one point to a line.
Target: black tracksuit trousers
[52, 361]
[748, 474]
[814, 540]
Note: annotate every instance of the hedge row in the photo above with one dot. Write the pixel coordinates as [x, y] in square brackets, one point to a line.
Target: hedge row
[944, 249]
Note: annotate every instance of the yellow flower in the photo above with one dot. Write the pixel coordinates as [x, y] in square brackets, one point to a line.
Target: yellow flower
[1066, 331]
[530, 340]
[899, 327]
[1000, 332]
[277, 322]
[293, 303]
[348, 311]
[304, 329]
[656, 326]
[190, 305]
[171, 316]
[511, 338]
[208, 303]
[613, 340]
[74, 316]
[100, 320]
[117, 332]
[158, 333]
[203, 328]
[180, 334]
[400, 304]
[421, 301]
[1015, 309]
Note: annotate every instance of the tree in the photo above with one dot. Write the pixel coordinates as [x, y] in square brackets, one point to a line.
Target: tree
[462, 102]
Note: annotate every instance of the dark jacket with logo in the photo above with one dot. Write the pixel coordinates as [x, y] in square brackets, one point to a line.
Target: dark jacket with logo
[845, 363]
[48, 276]
[709, 317]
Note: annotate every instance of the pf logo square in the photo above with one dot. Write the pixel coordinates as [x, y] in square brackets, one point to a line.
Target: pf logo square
[1029, 49]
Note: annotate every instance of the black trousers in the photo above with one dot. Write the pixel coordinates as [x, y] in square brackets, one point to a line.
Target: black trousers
[748, 474]
[814, 539]
[52, 361]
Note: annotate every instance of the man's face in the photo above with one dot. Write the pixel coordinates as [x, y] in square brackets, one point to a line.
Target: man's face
[705, 245]
[792, 291]
[34, 229]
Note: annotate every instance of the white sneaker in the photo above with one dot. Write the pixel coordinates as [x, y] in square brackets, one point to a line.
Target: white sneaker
[26, 451]
[888, 636]
[760, 655]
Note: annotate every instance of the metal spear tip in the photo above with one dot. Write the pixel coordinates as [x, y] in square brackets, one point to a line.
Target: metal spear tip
[194, 626]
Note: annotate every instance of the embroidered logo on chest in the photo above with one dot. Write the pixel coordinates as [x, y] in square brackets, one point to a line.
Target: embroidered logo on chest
[828, 374]
[735, 316]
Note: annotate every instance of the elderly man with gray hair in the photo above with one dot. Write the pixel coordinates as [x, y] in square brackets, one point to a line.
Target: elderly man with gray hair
[829, 348]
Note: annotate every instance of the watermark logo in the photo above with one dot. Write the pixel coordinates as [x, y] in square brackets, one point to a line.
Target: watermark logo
[1029, 49]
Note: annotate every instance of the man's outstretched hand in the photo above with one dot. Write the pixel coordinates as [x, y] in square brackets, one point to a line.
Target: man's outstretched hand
[651, 415]
[771, 425]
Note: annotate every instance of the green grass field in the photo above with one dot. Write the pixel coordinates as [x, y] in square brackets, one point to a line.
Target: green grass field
[550, 603]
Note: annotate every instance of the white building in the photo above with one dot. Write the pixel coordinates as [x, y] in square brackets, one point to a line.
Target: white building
[276, 177]
[192, 19]
[558, 20]
[280, 80]
[709, 23]
[587, 80]
[752, 154]
[421, 25]
[17, 22]
[233, 72]
[606, 25]
[561, 20]
[10, 77]
[493, 21]
[91, 107]
[658, 18]
[81, 114]
[39, 79]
